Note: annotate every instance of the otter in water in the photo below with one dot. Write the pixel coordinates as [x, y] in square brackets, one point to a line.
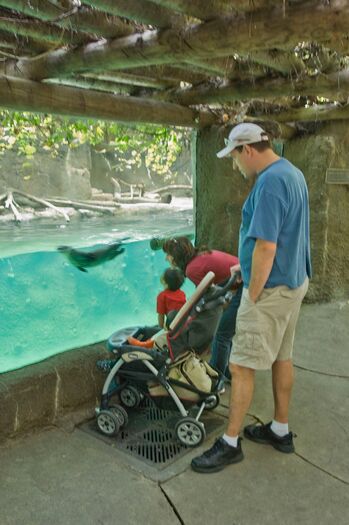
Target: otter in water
[86, 259]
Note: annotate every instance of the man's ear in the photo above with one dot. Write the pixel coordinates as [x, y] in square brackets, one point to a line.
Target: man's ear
[248, 149]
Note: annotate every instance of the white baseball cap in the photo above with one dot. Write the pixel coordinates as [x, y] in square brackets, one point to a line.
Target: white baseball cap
[245, 133]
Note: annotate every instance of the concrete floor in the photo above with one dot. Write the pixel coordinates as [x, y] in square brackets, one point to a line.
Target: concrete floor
[56, 477]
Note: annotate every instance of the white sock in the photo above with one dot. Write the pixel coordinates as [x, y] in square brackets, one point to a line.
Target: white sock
[280, 429]
[232, 441]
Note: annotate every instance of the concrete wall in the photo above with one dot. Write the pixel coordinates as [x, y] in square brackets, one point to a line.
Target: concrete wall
[61, 391]
[220, 193]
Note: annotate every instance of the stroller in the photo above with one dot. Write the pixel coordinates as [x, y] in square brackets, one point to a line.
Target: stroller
[163, 374]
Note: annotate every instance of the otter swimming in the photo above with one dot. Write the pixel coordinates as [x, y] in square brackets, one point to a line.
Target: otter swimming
[86, 259]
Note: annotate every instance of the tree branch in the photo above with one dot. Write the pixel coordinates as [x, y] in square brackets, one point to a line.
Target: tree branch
[9, 203]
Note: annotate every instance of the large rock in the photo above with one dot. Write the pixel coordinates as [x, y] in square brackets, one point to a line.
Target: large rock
[67, 175]
[74, 171]
[101, 172]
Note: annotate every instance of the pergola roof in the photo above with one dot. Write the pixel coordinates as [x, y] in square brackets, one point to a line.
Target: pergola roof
[176, 62]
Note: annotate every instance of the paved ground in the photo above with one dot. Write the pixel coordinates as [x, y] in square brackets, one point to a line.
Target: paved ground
[72, 478]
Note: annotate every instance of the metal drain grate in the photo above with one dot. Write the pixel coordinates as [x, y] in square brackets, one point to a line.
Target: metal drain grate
[150, 436]
[155, 414]
[157, 447]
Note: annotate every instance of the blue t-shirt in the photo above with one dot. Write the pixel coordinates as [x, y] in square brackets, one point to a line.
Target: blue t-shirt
[277, 210]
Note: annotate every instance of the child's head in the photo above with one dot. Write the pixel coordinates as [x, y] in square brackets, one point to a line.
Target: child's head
[173, 279]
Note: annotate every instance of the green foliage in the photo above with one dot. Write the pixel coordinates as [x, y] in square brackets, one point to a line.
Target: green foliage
[156, 146]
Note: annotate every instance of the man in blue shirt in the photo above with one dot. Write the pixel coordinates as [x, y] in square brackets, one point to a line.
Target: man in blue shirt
[274, 254]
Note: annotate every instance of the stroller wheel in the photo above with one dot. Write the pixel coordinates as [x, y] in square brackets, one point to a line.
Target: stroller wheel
[211, 402]
[120, 413]
[130, 397]
[190, 432]
[108, 423]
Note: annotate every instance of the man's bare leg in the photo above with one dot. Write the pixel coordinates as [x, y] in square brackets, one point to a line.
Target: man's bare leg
[283, 378]
[240, 397]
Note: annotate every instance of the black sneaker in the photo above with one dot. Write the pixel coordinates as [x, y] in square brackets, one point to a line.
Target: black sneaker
[264, 434]
[217, 457]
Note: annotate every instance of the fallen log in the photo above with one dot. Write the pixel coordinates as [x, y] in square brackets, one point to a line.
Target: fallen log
[45, 202]
[142, 200]
[83, 202]
[164, 189]
[83, 205]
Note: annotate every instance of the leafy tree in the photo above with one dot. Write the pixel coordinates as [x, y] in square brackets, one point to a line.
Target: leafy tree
[28, 133]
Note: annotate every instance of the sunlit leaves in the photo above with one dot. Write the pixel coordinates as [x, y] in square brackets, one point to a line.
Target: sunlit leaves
[156, 147]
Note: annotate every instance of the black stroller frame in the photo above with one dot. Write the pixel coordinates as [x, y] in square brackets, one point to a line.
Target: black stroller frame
[207, 301]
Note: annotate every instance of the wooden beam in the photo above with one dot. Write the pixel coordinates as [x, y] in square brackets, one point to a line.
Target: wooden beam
[94, 57]
[8, 40]
[25, 95]
[215, 8]
[24, 45]
[40, 31]
[198, 9]
[253, 64]
[142, 11]
[92, 84]
[285, 62]
[133, 79]
[177, 72]
[83, 19]
[221, 37]
[313, 113]
[287, 131]
[323, 85]
[229, 67]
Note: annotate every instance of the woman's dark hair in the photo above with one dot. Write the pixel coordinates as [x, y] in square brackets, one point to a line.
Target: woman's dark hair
[182, 251]
[173, 278]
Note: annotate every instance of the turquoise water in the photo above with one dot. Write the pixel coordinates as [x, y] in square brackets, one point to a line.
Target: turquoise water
[48, 306]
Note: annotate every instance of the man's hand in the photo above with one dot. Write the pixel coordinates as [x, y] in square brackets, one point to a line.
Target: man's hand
[236, 270]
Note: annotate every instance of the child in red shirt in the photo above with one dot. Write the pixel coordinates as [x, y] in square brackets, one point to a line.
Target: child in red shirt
[171, 298]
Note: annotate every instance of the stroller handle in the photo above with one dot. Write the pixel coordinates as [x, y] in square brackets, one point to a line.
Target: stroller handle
[230, 283]
[221, 295]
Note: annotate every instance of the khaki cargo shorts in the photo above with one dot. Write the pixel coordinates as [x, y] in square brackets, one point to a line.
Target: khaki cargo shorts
[265, 330]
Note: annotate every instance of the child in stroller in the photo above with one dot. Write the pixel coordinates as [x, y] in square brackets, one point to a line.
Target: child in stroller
[166, 374]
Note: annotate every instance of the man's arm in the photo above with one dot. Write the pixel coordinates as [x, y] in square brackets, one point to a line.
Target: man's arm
[262, 262]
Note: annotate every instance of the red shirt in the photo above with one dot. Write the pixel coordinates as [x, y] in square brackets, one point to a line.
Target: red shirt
[214, 261]
[169, 300]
